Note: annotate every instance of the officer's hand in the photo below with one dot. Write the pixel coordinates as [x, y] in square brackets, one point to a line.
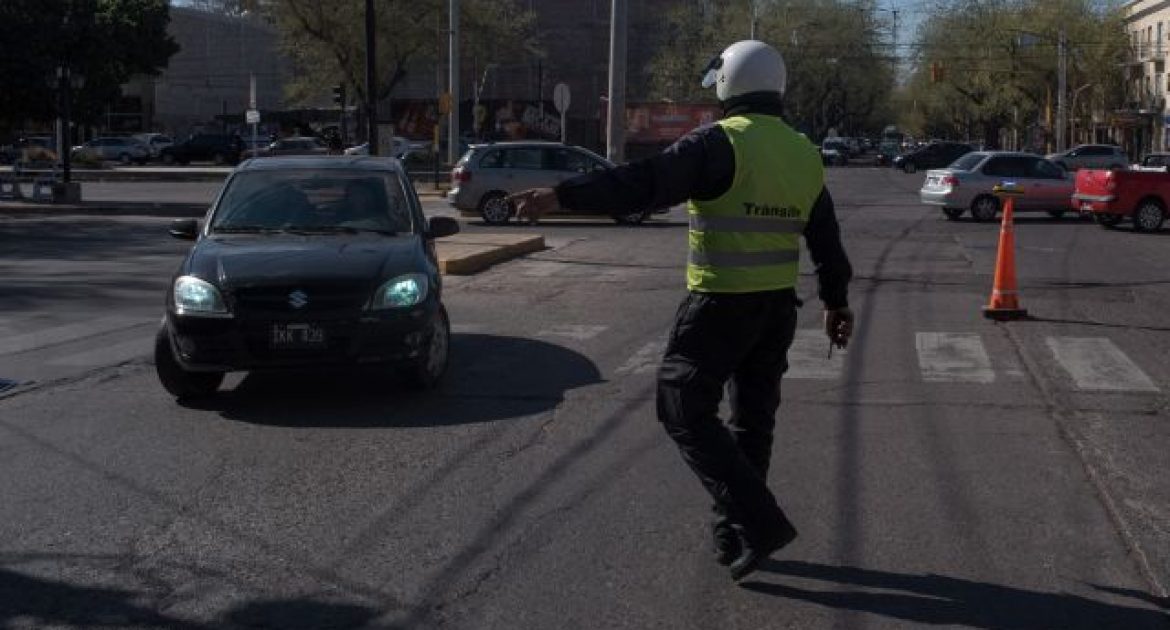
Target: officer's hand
[839, 326]
[535, 203]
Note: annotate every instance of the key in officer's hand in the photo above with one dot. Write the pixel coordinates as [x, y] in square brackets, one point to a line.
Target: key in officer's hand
[839, 326]
[535, 203]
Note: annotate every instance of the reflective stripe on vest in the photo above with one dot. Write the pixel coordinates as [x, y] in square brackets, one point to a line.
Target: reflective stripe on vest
[748, 239]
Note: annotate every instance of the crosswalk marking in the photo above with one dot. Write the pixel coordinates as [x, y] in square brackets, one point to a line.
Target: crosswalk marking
[576, 332]
[808, 357]
[953, 357]
[1095, 364]
[109, 355]
[68, 332]
[645, 360]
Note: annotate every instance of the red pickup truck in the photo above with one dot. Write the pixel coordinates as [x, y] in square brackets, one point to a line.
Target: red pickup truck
[1114, 195]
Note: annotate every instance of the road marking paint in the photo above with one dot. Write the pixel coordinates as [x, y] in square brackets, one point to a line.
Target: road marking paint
[645, 360]
[68, 332]
[1095, 364]
[109, 355]
[807, 357]
[953, 358]
[576, 332]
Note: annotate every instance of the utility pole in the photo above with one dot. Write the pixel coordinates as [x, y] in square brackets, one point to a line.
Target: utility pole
[1061, 88]
[755, 16]
[453, 87]
[615, 137]
[371, 83]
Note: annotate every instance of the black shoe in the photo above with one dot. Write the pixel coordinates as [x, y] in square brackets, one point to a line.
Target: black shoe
[754, 549]
[727, 545]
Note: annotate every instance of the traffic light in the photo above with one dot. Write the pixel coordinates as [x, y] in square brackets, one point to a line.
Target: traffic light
[339, 94]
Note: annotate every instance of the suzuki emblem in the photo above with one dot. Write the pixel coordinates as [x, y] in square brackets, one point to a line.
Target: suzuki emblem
[298, 299]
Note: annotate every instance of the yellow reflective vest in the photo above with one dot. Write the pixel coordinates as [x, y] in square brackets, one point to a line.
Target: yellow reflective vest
[748, 239]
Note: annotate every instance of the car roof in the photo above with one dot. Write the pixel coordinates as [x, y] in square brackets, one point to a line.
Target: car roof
[523, 143]
[337, 162]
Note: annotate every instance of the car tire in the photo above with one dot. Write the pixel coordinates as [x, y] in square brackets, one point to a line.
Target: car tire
[218, 159]
[495, 208]
[910, 168]
[984, 208]
[1107, 220]
[179, 382]
[428, 370]
[953, 214]
[1148, 216]
[125, 159]
[168, 158]
[1056, 214]
[633, 218]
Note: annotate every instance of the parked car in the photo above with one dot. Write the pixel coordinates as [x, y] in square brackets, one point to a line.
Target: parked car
[933, 155]
[220, 148]
[42, 145]
[1091, 156]
[306, 262]
[1153, 162]
[111, 149]
[967, 184]
[400, 146]
[488, 173]
[156, 142]
[834, 152]
[1112, 196]
[297, 145]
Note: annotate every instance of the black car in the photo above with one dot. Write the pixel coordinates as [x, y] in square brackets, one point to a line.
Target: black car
[306, 262]
[933, 155]
[220, 148]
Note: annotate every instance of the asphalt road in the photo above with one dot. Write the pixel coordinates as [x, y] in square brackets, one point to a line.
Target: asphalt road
[945, 470]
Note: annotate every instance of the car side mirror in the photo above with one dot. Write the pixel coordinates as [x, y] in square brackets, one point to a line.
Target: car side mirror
[438, 227]
[185, 229]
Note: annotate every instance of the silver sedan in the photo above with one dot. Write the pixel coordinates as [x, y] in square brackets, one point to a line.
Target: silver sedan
[968, 182]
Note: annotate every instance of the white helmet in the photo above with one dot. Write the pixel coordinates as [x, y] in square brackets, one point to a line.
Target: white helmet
[745, 67]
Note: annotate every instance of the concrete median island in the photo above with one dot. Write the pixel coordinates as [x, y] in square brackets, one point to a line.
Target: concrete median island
[466, 254]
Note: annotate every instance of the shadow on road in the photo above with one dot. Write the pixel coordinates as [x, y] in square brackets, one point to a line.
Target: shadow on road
[490, 378]
[942, 600]
[46, 602]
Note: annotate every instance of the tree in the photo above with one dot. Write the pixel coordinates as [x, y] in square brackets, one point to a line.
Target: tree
[839, 74]
[326, 40]
[104, 41]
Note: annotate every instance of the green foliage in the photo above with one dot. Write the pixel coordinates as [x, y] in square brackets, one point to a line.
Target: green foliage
[104, 41]
[326, 40]
[999, 60]
[840, 72]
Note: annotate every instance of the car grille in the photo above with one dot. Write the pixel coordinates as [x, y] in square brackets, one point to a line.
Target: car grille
[300, 301]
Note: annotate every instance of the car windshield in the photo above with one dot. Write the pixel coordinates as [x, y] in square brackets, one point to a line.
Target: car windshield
[968, 162]
[313, 201]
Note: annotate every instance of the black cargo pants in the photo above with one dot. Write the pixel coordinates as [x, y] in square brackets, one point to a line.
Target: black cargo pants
[742, 338]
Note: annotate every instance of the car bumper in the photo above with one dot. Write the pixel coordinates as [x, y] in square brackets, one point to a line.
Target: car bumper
[943, 198]
[245, 342]
[461, 199]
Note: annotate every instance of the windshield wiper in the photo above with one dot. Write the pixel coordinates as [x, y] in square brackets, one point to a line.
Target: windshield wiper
[336, 229]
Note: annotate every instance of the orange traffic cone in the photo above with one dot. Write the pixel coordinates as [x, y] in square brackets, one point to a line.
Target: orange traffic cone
[1005, 302]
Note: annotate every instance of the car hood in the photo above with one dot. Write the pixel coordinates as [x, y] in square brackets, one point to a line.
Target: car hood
[239, 261]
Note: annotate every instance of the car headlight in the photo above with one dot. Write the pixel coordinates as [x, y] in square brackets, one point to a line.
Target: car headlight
[194, 296]
[401, 292]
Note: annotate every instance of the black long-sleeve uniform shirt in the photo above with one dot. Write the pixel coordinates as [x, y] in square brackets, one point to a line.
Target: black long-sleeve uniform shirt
[701, 165]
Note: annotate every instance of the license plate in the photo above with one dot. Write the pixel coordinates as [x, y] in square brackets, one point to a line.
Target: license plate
[931, 181]
[296, 336]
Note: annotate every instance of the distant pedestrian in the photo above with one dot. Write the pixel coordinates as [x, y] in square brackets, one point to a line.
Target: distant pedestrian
[753, 187]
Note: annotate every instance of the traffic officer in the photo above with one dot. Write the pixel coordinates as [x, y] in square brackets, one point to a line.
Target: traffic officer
[753, 186]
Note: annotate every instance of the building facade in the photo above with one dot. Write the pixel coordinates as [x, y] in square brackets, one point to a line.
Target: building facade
[1144, 123]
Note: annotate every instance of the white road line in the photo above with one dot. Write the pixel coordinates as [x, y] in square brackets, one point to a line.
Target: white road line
[807, 358]
[953, 358]
[68, 332]
[109, 355]
[645, 360]
[1095, 364]
[576, 332]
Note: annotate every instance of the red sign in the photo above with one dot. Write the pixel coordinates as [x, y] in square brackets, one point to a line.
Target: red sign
[656, 123]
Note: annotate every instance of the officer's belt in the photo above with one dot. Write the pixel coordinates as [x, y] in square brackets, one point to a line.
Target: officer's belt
[743, 259]
[759, 225]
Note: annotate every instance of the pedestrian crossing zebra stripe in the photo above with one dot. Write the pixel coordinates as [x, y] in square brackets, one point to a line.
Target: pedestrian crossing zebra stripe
[953, 357]
[1096, 364]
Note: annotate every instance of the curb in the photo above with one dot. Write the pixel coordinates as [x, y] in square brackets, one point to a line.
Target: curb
[470, 254]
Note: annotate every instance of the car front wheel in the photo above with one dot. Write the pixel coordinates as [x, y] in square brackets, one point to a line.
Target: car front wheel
[910, 167]
[633, 218]
[179, 382]
[495, 209]
[428, 369]
[1148, 216]
[984, 208]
